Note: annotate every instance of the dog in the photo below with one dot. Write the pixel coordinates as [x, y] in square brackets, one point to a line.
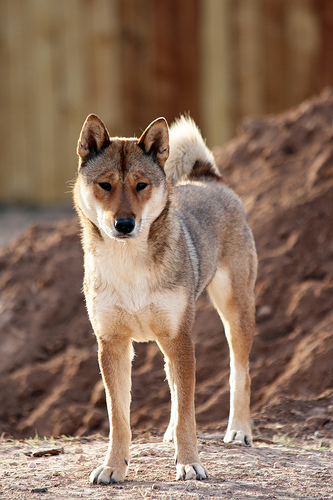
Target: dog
[159, 226]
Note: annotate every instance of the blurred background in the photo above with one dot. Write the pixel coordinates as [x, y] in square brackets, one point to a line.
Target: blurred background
[130, 61]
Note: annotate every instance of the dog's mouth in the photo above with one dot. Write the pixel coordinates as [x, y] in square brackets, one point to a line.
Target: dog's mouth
[114, 235]
[118, 236]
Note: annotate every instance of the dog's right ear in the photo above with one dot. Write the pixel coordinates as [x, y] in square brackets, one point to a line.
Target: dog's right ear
[94, 137]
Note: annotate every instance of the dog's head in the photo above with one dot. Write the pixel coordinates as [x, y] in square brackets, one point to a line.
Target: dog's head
[121, 185]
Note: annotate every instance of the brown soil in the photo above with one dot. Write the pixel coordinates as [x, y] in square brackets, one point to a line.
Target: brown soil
[282, 167]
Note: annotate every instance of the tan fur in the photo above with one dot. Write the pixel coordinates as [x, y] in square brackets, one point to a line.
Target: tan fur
[150, 249]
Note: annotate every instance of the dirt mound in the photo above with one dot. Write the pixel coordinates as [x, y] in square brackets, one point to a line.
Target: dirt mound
[282, 167]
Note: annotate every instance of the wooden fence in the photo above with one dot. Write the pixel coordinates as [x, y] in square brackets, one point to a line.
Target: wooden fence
[133, 60]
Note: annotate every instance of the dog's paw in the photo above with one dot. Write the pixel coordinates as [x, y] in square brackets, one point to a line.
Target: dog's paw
[191, 471]
[169, 434]
[238, 437]
[108, 475]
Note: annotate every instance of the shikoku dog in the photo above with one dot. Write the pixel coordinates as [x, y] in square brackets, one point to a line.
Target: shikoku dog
[159, 226]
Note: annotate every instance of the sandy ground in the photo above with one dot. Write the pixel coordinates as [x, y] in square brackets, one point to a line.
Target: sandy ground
[268, 470]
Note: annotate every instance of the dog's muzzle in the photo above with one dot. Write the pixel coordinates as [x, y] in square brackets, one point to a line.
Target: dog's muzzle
[124, 226]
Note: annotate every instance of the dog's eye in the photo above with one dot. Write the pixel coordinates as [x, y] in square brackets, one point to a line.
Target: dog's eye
[105, 185]
[141, 185]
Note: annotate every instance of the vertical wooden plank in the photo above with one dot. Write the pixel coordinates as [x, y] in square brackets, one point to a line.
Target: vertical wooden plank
[74, 25]
[43, 138]
[218, 65]
[176, 57]
[251, 60]
[16, 170]
[34, 135]
[105, 24]
[303, 41]
[146, 103]
[72, 84]
[88, 59]
[136, 49]
[56, 30]
[274, 55]
[5, 121]
[325, 10]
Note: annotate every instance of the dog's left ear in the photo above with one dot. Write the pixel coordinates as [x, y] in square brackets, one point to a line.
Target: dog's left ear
[155, 140]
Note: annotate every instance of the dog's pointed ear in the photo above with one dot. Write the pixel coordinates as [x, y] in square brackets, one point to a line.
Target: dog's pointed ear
[94, 137]
[155, 140]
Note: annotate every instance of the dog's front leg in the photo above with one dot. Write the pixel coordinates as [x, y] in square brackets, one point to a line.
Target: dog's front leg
[115, 358]
[180, 369]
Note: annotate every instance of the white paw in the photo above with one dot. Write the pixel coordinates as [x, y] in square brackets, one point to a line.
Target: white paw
[169, 434]
[191, 471]
[238, 437]
[108, 475]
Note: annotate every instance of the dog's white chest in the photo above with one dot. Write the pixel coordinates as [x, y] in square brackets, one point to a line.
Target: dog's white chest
[118, 294]
[127, 311]
[122, 298]
[120, 283]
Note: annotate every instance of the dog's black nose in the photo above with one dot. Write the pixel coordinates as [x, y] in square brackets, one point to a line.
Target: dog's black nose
[124, 225]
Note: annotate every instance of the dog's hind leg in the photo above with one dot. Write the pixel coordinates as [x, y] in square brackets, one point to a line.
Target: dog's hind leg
[234, 301]
[115, 357]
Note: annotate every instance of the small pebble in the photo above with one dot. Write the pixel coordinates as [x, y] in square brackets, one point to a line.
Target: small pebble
[280, 463]
[39, 490]
[17, 487]
[264, 312]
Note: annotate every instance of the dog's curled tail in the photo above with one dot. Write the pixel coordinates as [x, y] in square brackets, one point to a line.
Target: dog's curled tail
[189, 156]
